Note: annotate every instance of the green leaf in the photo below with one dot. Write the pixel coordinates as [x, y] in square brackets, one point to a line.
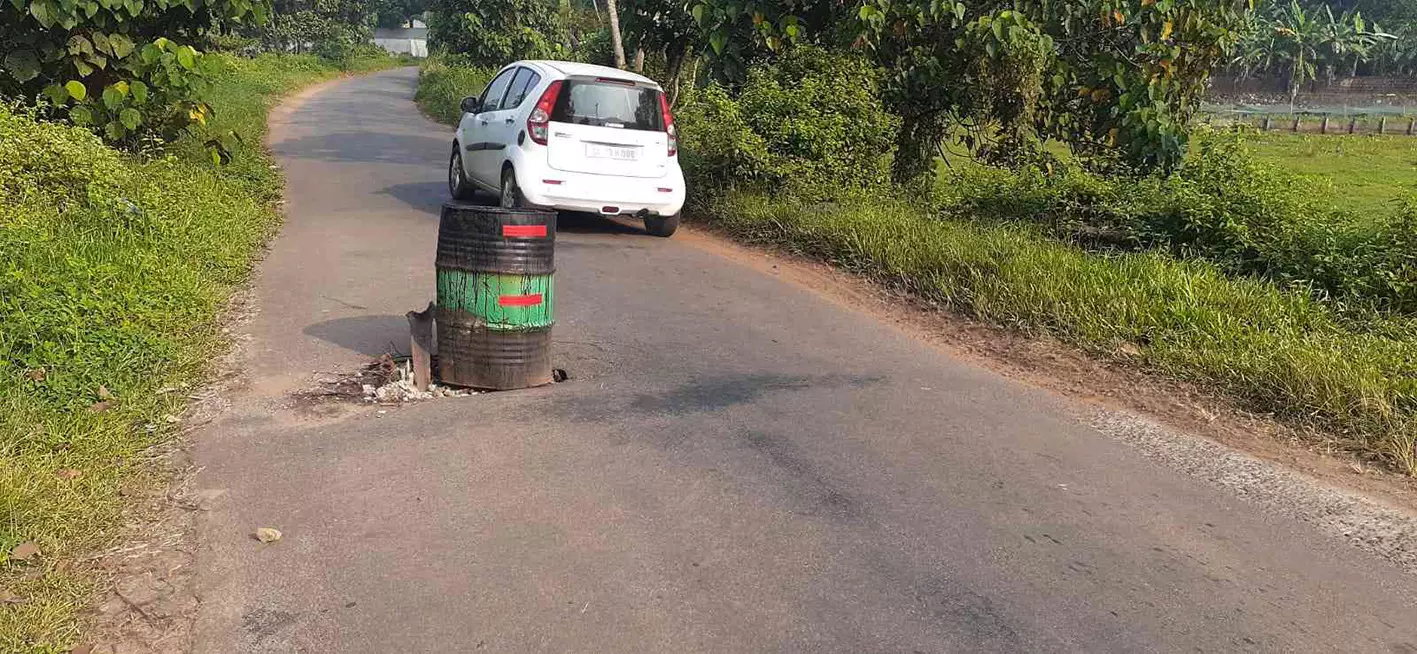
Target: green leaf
[76, 90]
[112, 98]
[56, 93]
[698, 12]
[90, 8]
[100, 43]
[83, 68]
[130, 118]
[81, 115]
[187, 57]
[717, 40]
[120, 45]
[150, 53]
[43, 13]
[114, 130]
[23, 65]
[80, 45]
[140, 92]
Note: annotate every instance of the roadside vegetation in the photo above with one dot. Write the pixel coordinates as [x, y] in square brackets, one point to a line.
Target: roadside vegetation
[957, 152]
[134, 195]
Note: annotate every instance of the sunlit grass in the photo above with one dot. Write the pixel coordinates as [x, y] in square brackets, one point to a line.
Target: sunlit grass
[113, 276]
[1369, 174]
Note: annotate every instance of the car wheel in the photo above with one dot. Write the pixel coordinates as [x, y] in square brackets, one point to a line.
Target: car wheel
[511, 193]
[458, 187]
[662, 226]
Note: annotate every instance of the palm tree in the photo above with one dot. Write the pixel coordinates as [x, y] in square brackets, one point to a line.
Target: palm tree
[615, 43]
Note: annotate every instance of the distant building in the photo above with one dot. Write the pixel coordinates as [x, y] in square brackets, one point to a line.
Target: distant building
[404, 40]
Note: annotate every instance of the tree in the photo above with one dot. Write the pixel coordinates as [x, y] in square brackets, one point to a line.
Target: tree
[1118, 80]
[397, 13]
[496, 32]
[330, 28]
[617, 45]
[663, 26]
[125, 68]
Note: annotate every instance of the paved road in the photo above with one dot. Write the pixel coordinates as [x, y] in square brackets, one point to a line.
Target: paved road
[737, 465]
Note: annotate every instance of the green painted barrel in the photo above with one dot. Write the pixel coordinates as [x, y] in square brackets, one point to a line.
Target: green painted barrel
[495, 270]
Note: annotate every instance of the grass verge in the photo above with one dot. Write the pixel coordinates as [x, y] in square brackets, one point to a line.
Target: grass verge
[114, 273]
[1280, 352]
[442, 84]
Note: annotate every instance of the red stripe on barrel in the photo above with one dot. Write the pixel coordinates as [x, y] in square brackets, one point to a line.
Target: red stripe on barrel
[523, 231]
[519, 300]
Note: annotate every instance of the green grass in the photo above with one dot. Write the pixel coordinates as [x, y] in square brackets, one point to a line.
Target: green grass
[1284, 352]
[442, 85]
[1368, 174]
[113, 276]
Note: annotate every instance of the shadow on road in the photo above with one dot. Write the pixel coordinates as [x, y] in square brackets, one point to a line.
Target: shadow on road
[575, 222]
[367, 335]
[428, 196]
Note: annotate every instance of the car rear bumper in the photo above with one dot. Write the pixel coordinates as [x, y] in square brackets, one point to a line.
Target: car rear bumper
[604, 194]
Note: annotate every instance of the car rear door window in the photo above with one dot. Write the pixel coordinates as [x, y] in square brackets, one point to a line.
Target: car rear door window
[492, 97]
[608, 104]
[524, 82]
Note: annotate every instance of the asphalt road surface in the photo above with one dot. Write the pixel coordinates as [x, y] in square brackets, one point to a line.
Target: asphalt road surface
[737, 465]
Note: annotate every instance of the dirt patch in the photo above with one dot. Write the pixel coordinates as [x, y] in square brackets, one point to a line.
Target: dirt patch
[1064, 370]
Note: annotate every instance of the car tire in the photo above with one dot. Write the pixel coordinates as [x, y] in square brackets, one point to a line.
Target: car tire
[662, 226]
[458, 186]
[511, 195]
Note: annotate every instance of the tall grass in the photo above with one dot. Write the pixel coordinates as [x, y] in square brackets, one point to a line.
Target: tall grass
[1278, 351]
[113, 275]
[443, 81]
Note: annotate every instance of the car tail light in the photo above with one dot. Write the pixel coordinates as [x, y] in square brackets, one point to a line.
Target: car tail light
[538, 122]
[669, 125]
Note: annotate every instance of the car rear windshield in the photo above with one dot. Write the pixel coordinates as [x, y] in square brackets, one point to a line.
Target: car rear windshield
[608, 104]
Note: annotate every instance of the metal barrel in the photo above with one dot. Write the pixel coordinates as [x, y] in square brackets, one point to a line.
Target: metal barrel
[495, 269]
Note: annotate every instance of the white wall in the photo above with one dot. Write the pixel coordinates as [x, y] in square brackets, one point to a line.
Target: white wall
[415, 47]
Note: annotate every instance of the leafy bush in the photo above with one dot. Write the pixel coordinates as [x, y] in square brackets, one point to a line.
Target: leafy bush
[112, 66]
[113, 272]
[595, 48]
[493, 33]
[443, 81]
[1279, 351]
[811, 121]
[1247, 217]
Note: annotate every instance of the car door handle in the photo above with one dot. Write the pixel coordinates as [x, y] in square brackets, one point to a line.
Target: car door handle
[483, 121]
[511, 120]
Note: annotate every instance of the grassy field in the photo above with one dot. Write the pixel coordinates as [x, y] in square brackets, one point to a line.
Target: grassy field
[1367, 174]
[114, 272]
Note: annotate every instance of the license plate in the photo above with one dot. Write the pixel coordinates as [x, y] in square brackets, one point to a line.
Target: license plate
[595, 151]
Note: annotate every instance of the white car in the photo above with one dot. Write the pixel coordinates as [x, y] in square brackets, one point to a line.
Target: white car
[573, 137]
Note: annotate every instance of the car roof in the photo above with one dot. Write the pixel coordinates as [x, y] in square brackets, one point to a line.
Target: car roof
[577, 69]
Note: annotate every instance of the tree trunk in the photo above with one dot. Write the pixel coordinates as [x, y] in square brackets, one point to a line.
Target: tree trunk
[674, 69]
[616, 44]
[639, 60]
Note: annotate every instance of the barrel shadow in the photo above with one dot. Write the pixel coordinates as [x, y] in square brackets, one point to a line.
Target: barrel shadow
[367, 335]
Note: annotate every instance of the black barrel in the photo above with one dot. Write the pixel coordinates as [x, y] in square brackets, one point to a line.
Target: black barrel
[495, 271]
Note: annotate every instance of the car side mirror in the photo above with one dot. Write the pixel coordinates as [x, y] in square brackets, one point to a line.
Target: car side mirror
[471, 105]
